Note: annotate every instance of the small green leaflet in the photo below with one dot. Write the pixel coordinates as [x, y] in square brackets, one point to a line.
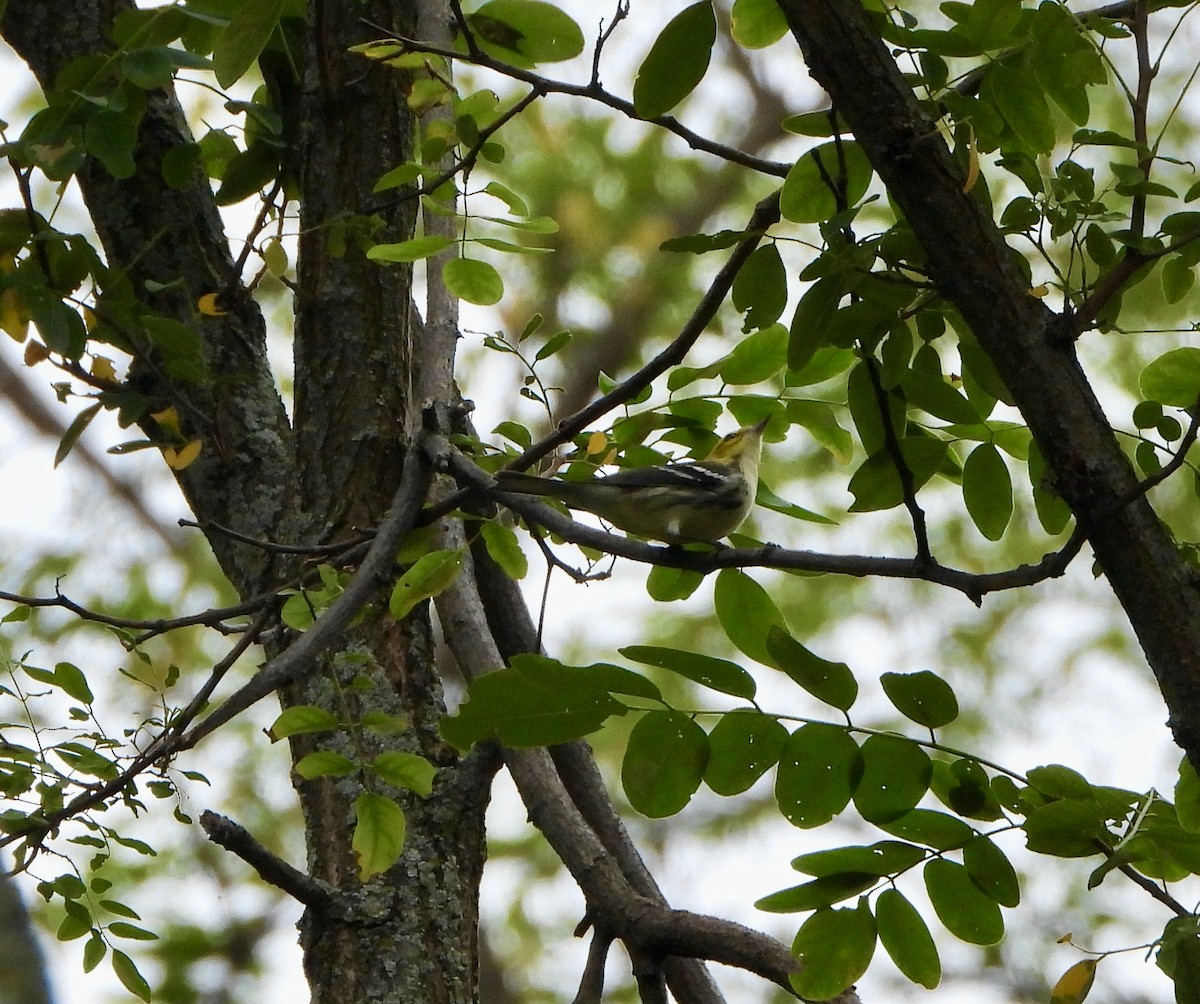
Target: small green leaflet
[676, 62]
[429, 575]
[834, 947]
[664, 763]
[379, 832]
[719, 674]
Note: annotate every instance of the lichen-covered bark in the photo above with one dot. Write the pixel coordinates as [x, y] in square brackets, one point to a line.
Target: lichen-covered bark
[411, 935]
[173, 239]
[1031, 347]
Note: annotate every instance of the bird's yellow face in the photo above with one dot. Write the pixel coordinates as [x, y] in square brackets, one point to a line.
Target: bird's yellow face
[731, 446]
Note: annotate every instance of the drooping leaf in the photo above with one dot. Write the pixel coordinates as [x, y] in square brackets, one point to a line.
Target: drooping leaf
[474, 281]
[429, 575]
[831, 682]
[968, 913]
[987, 490]
[709, 671]
[246, 35]
[906, 938]
[834, 948]
[664, 763]
[379, 832]
[746, 613]
[677, 61]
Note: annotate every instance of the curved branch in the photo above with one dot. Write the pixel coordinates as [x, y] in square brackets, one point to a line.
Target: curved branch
[594, 92]
[973, 585]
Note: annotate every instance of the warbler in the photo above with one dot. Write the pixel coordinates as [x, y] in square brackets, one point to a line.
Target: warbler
[680, 503]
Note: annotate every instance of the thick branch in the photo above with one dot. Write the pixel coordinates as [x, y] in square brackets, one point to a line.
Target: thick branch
[1030, 347]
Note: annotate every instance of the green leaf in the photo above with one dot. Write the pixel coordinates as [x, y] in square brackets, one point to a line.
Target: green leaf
[931, 828]
[474, 281]
[747, 613]
[1173, 378]
[246, 35]
[179, 347]
[824, 891]
[677, 61]
[505, 550]
[885, 857]
[110, 137]
[987, 490]
[818, 770]
[706, 670]
[834, 948]
[526, 32]
[1177, 277]
[991, 871]
[78, 424]
[665, 584]
[757, 23]
[831, 682]
[1018, 97]
[406, 770]
[809, 330]
[895, 777]
[923, 697]
[876, 484]
[148, 67]
[906, 938]
[410, 250]
[301, 719]
[71, 679]
[807, 197]
[760, 290]
[1179, 958]
[429, 575]
[1065, 829]
[324, 763]
[530, 708]
[664, 763]
[379, 830]
[757, 357]
[931, 393]
[120, 929]
[1058, 781]
[743, 746]
[93, 952]
[128, 974]
[1187, 797]
[968, 914]
[1053, 512]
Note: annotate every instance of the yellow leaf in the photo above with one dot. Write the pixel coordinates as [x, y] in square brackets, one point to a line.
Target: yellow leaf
[90, 320]
[103, 369]
[177, 460]
[597, 441]
[14, 318]
[1038, 292]
[35, 352]
[168, 420]
[207, 305]
[1073, 986]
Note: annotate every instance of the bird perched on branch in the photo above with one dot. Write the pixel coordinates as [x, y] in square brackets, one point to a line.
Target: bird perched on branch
[693, 500]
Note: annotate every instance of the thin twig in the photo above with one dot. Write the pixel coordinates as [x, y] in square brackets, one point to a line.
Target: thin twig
[971, 584]
[594, 92]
